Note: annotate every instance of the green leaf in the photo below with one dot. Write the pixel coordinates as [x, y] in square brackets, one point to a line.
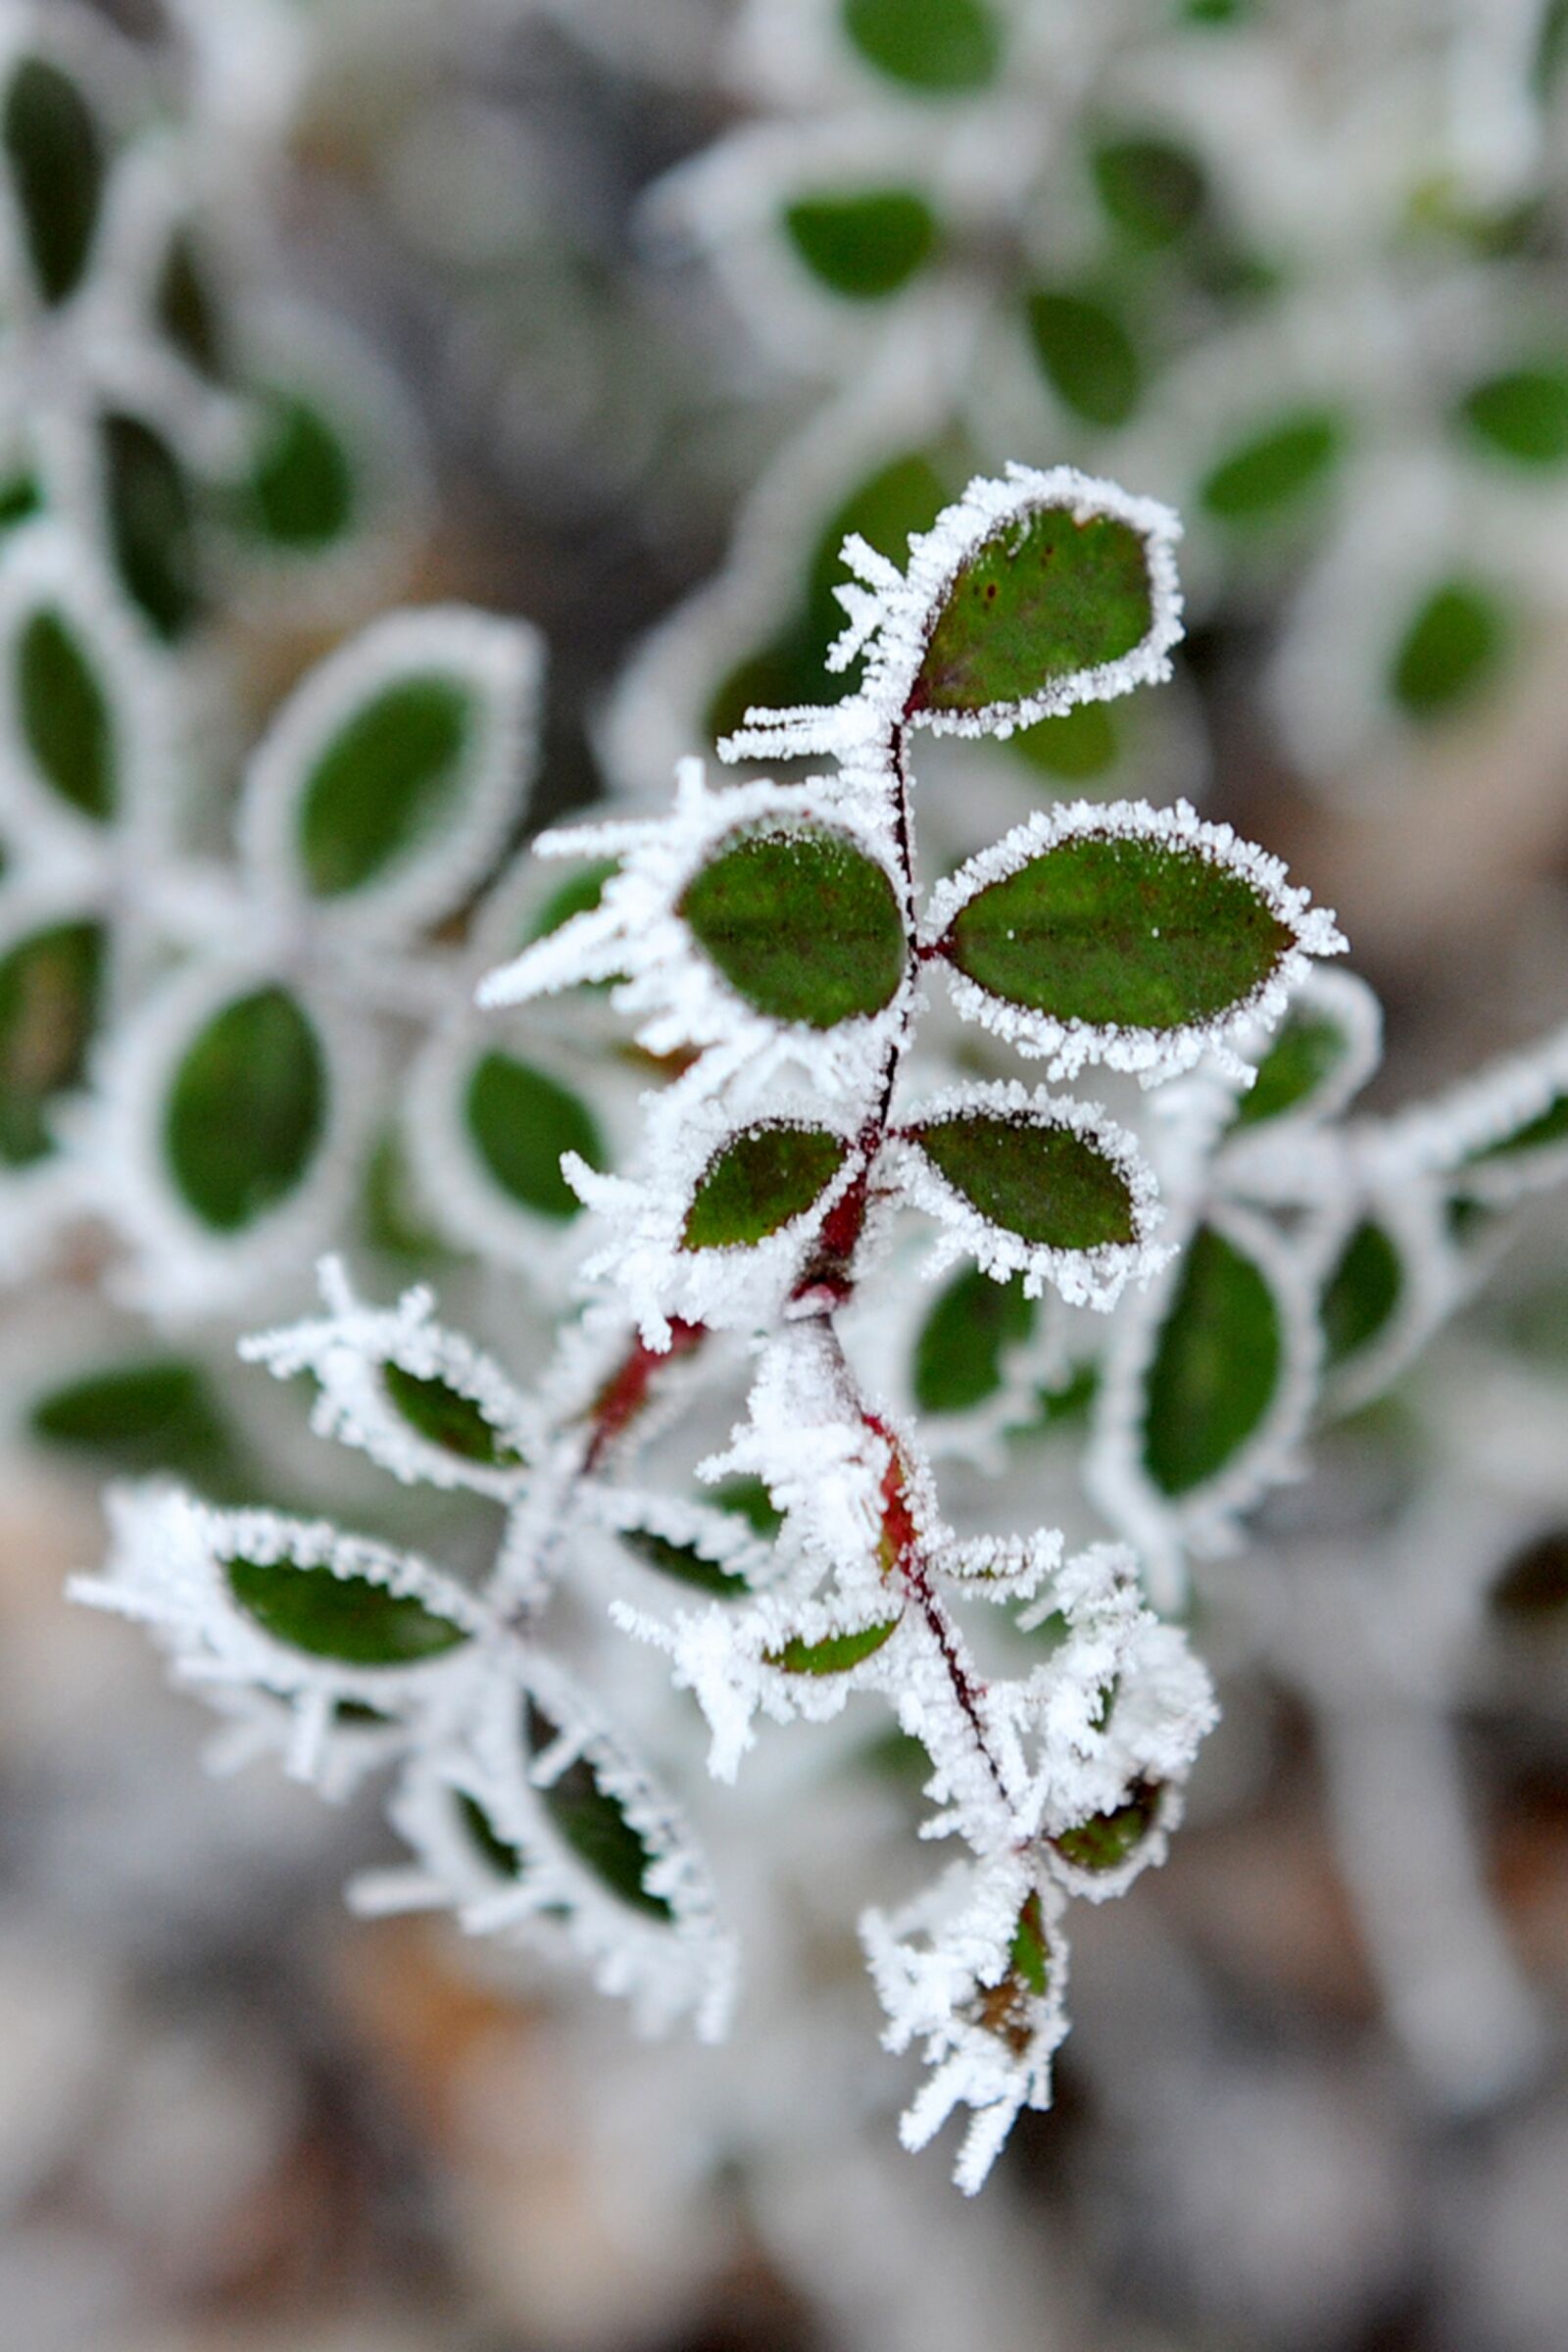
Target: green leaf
[1275, 469]
[521, 1121]
[1216, 1366]
[158, 1415]
[1089, 358]
[1151, 190]
[394, 1216]
[55, 152]
[1453, 648]
[748, 1499]
[801, 923]
[151, 524]
[761, 1179]
[1081, 743]
[301, 494]
[1044, 597]
[186, 308]
[389, 778]
[1549, 1126]
[1046, 1183]
[1105, 1841]
[507, 1860]
[246, 1110]
[349, 1619]
[443, 1416]
[685, 1563]
[594, 1825]
[863, 246]
[1362, 1293]
[50, 988]
[1521, 414]
[20, 498]
[1551, 49]
[64, 715]
[1029, 1959]
[1139, 933]
[958, 1356]
[837, 1655]
[931, 45]
[1306, 1053]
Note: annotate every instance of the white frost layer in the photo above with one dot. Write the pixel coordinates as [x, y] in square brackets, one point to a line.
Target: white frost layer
[1153, 1055]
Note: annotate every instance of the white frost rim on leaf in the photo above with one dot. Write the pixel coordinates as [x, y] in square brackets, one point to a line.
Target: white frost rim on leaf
[346, 1351]
[1093, 1277]
[1163, 1528]
[498, 665]
[1153, 1055]
[164, 1568]
[892, 615]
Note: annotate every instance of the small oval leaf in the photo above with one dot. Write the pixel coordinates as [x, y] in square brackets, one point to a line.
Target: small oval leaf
[1363, 1294]
[1275, 470]
[594, 1825]
[1106, 1840]
[761, 1178]
[64, 715]
[50, 988]
[187, 309]
[444, 1417]
[1522, 415]
[151, 524]
[386, 781]
[246, 1110]
[837, 1655]
[521, 1121]
[1131, 933]
[863, 246]
[301, 495]
[149, 1416]
[349, 1619]
[55, 152]
[1216, 1366]
[1040, 1180]
[1089, 360]
[1307, 1051]
[802, 924]
[959, 1354]
[1043, 599]
[685, 1563]
[932, 45]
[1453, 647]
[1151, 190]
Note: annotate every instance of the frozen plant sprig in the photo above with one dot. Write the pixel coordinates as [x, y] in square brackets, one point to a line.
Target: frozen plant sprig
[771, 941]
[775, 934]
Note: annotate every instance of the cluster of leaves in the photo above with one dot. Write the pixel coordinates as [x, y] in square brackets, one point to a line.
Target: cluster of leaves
[769, 940]
[1307, 280]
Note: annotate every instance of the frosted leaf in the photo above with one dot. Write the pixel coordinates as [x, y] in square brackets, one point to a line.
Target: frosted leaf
[251, 1598]
[1251, 986]
[388, 784]
[974, 1971]
[540, 1825]
[1389, 1274]
[217, 1190]
[674, 1541]
[89, 731]
[1114, 1186]
[1209, 1387]
[895, 620]
[637, 938]
[647, 1258]
[1314, 1066]
[423, 1401]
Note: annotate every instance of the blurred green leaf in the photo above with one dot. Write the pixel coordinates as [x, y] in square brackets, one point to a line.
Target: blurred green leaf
[50, 986]
[522, 1120]
[64, 714]
[246, 1110]
[444, 1417]
[932, 45]
[55, 152]
[1453, 647]
[1089, 358]
[1362, 1293]
[1216, 1366]
[1275, 469]
[151, 524]
[349, 1619]
[863, 246]
[594, 1825]
[959, 1353]
[389, 779]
